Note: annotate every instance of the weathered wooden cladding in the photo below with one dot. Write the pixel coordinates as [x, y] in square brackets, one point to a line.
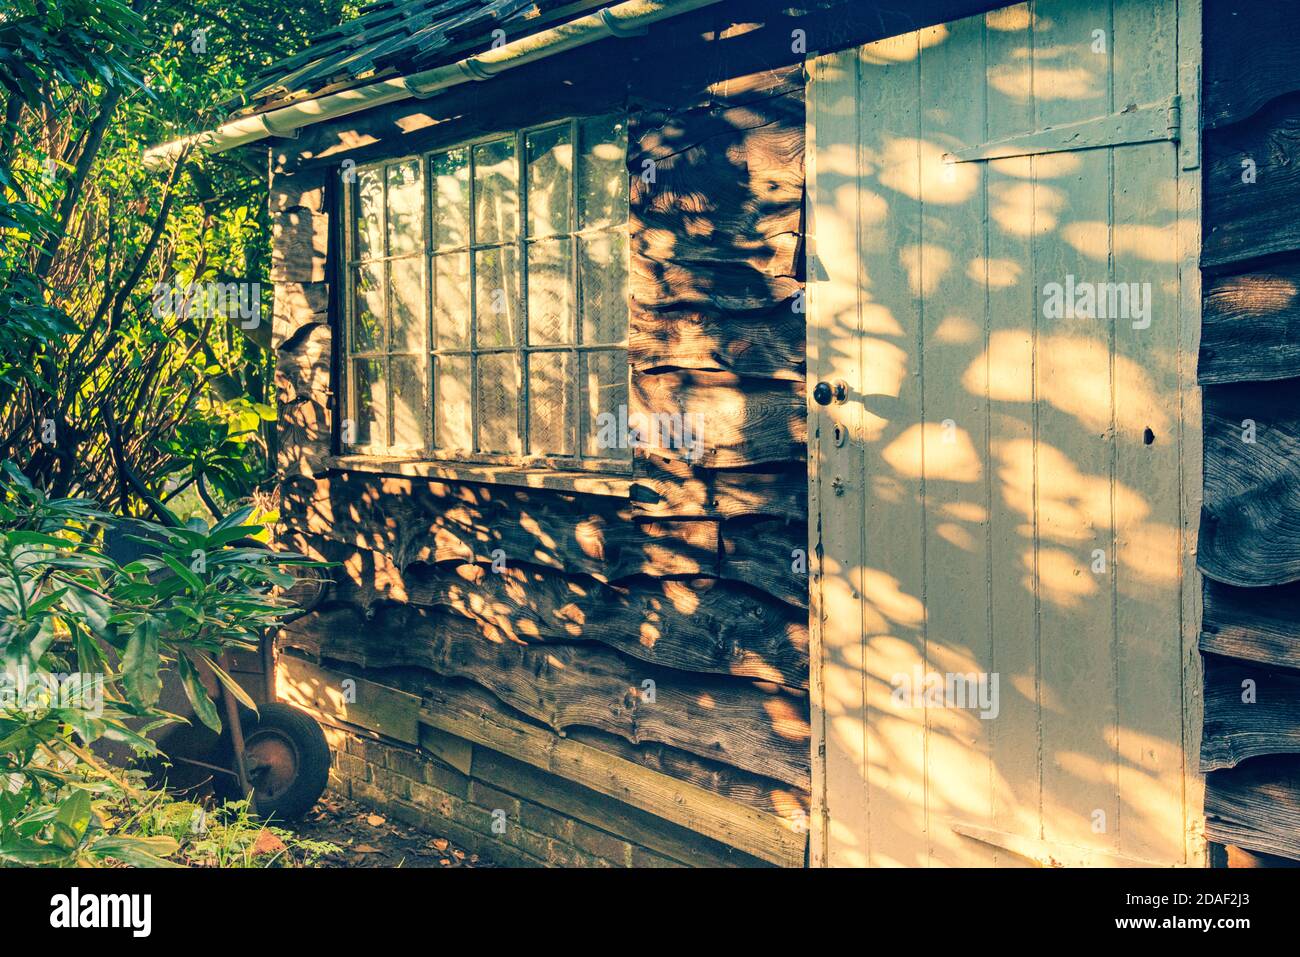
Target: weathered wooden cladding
[1252, 185]
[1256, 805]
[1250, 519]
[554, 607]
[757, 727]
[1250, 54]
[1250, 325]
[1249, 540]
[1260, 625]
[1250, 710]
[700, 625]
[419, 520]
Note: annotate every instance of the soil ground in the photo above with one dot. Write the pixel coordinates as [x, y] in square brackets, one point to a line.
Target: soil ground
[369, 839]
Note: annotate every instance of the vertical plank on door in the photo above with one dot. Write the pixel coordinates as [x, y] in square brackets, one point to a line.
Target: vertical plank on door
[1006, 376]
[836, 480]
[893, 579]
[1148, 562]
[948, 278]
[1075, 447]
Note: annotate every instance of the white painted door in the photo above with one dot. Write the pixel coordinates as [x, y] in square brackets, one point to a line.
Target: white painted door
[1002, 286]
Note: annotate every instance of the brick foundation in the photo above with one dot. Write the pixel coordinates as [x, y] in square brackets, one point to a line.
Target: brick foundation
[523, 818]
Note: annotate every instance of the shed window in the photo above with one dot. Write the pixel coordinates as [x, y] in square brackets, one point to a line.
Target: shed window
[487, 299]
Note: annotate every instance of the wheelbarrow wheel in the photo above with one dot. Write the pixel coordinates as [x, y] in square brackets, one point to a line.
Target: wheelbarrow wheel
[288, 762]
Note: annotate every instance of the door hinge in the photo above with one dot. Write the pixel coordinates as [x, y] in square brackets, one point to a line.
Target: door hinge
[1134, 124]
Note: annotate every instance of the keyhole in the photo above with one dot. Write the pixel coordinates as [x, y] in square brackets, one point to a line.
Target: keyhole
[1148, 436]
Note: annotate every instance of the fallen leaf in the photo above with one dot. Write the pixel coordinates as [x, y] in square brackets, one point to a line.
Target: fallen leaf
[440, 843]
[267, 843]
[374, 820]
[366, 849]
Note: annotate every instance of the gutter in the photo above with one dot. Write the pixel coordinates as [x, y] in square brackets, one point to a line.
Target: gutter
[630, 18]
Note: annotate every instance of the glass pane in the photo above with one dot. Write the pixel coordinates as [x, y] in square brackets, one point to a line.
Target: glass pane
[370, 403]
[550, 296]
[451, 198]
[550, 419]
[370, 214]
[604, 397]
[408, 402]
[602, 272]
[368, 329]
[406, 295]
[452, 428]
[498, 402]
[451, 300]
[496, 291]
[405, 209]
[602, 172]
[496, 192]
[550, 171]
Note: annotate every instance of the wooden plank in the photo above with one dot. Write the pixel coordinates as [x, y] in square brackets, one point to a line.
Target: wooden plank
[1074, 450]
[1048, 854]
[765, 344]
[297, 308]
[306, 190]
[1256, 806]
[607, 813]
[432, 521]
[1248, 220]
[765, 836]
[667, 488]
[892, 620]
[835, 548]
[1012, 308]
[1148, 557]
[958, 635]
[1261, 625]
[1250, 529]
[754, 726]
[1250, 710]
[734, 421]
[588, 483]
[453, 715]
[348, 698]
[702, 625]
[1251, 59]
[448, 748]
[303, 433]
[302, 368]
[768, 554]
[299, 240]
[1251, 326]
[1134, 124]
[1190, 47]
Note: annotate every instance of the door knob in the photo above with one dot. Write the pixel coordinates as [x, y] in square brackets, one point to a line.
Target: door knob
[825, 392]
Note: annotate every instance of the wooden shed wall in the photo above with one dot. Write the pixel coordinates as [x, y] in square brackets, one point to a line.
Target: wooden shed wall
[685, 576]
[691, 577]
[1249, 547]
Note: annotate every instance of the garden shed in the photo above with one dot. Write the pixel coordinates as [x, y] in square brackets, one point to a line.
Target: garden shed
[772, 433]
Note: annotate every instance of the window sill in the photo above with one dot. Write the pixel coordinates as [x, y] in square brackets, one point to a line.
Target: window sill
[588, 483]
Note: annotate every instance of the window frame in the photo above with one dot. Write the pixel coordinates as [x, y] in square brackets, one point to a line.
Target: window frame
[520, 242]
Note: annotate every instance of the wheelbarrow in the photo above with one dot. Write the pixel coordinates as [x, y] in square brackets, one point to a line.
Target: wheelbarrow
[276, 756]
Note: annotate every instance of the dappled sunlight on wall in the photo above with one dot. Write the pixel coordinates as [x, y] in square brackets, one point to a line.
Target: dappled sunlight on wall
[1014, 472]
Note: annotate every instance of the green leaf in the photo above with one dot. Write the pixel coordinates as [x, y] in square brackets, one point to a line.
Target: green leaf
[137, 851]
[191, 579]
[198, 695]
[72, 820]
[140, 665]
[230, 684]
